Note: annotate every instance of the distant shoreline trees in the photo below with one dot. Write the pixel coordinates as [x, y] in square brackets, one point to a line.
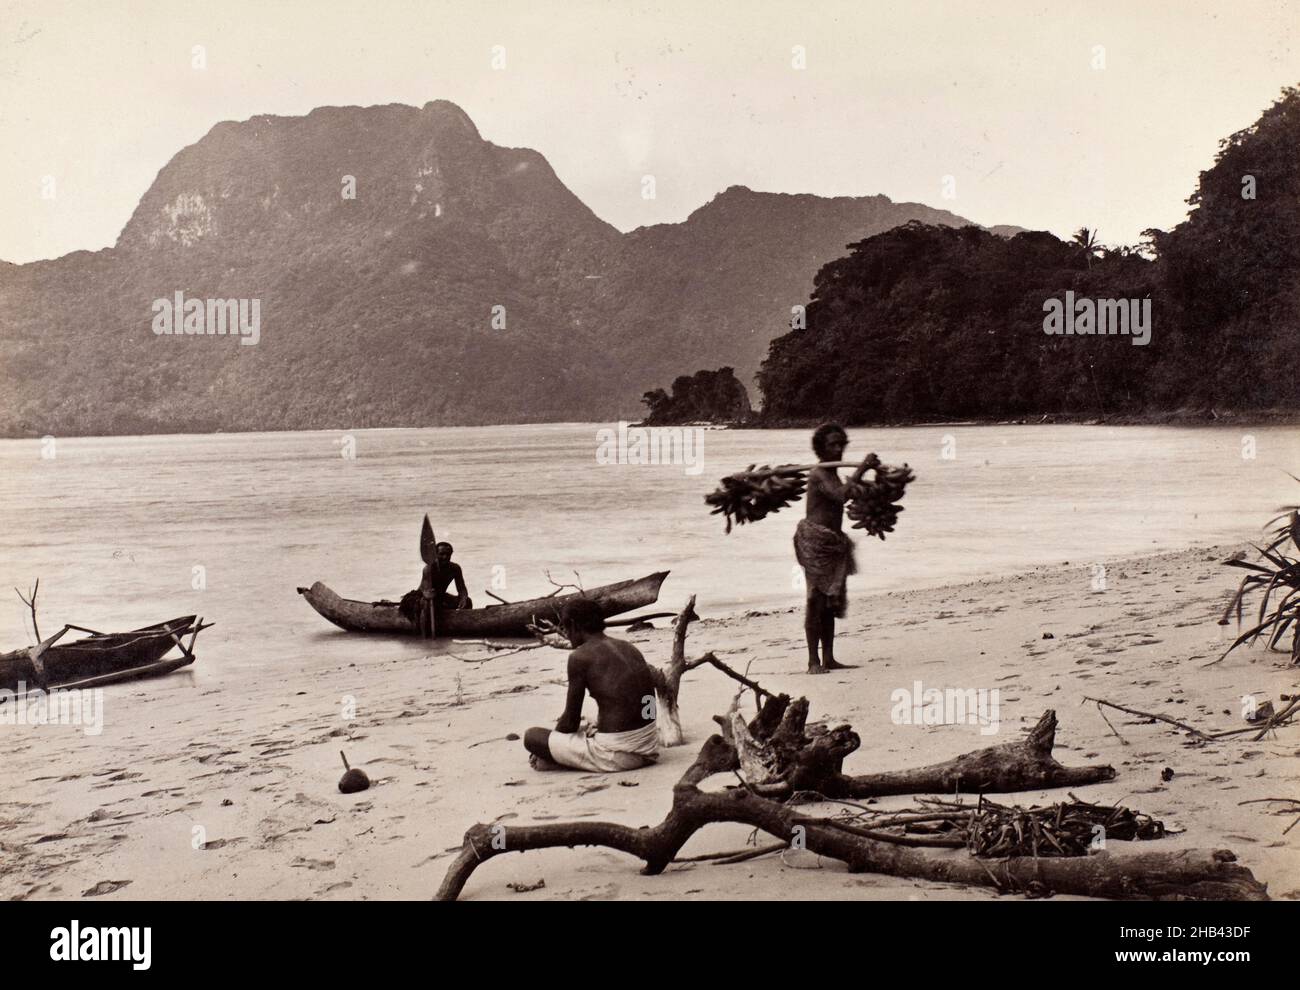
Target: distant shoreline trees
[932, 323]
[707, 396]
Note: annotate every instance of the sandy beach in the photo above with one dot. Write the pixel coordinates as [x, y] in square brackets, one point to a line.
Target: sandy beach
[193, 790]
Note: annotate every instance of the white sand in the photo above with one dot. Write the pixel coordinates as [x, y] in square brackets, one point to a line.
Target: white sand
[253, 773]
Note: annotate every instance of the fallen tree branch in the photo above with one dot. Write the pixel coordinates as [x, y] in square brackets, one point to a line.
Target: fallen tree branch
[547, 633]
[1196, 874]
[1160, 718]
[632, 620]
[781, 755]
[1278, 719]
[31, 604]
[560, 587]
[734, 855]
[506, 649]
[708, 658]
[668, 680]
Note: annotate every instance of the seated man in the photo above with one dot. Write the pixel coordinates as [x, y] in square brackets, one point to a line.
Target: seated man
[433, 584]
[626, 736]
[444, 574]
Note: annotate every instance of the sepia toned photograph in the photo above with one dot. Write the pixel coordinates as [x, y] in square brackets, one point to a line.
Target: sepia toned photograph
[621, 451]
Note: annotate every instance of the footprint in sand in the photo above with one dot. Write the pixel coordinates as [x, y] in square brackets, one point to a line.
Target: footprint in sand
[221, 843]
[105, 887]
[313, 864]
[606, 893]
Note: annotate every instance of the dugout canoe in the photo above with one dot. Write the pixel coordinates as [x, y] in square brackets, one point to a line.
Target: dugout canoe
[495, 620]
[102, 658]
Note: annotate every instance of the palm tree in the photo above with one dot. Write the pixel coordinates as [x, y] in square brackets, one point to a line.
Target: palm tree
[1087, 241]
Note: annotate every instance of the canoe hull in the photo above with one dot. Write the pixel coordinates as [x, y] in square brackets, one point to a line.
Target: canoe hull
[495, 620]
[99, 655]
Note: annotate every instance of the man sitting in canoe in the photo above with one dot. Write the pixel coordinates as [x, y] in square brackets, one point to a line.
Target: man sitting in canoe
[436, 579]
[626, 736]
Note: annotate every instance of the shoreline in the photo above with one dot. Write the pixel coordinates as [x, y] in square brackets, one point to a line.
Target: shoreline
[1178, 417]
[1181, 417]
[228, 789]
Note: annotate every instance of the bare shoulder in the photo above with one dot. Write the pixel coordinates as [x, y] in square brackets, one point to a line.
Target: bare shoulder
[820, 477]
[629, 650]
[579, 657]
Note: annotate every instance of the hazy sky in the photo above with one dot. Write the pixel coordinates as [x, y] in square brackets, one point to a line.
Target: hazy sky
[1003, 96]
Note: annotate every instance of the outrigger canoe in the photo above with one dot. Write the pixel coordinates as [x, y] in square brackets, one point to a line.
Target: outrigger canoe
[102, 658]
[510, 619]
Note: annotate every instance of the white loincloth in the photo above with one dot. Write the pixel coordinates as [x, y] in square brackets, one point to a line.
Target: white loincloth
[605, 752]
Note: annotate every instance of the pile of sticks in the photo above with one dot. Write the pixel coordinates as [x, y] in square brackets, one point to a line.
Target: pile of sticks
[1071, 828]
[993, 831]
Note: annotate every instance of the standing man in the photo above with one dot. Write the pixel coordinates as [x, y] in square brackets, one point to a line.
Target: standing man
[822, 549]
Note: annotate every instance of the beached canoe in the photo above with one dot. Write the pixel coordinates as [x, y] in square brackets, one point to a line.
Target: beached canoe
[494, 620]
[102, 658]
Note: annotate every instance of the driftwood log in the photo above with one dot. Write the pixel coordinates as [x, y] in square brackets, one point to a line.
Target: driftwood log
[780, 755]
[1189, 874]
[668, 680]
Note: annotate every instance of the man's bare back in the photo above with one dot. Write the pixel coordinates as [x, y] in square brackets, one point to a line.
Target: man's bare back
[622, 683]
[618, 677]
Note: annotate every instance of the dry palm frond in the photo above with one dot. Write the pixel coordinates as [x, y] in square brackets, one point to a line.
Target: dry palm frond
[1277, 575]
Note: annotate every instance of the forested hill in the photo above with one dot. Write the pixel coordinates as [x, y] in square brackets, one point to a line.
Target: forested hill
[407, 272]
[923, 322]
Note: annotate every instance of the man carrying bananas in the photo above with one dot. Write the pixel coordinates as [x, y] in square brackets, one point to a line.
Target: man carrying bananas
[822, 549]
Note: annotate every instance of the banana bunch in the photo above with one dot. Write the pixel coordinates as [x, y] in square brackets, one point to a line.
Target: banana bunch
[749, 495]
[873, 505]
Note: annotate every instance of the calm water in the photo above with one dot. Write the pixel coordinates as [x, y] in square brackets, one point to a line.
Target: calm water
[114, 527]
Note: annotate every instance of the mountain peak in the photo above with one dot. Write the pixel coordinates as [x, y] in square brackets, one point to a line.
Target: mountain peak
[445, 110]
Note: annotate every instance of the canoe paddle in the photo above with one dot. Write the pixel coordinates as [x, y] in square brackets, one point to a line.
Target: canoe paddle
[429, 554]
